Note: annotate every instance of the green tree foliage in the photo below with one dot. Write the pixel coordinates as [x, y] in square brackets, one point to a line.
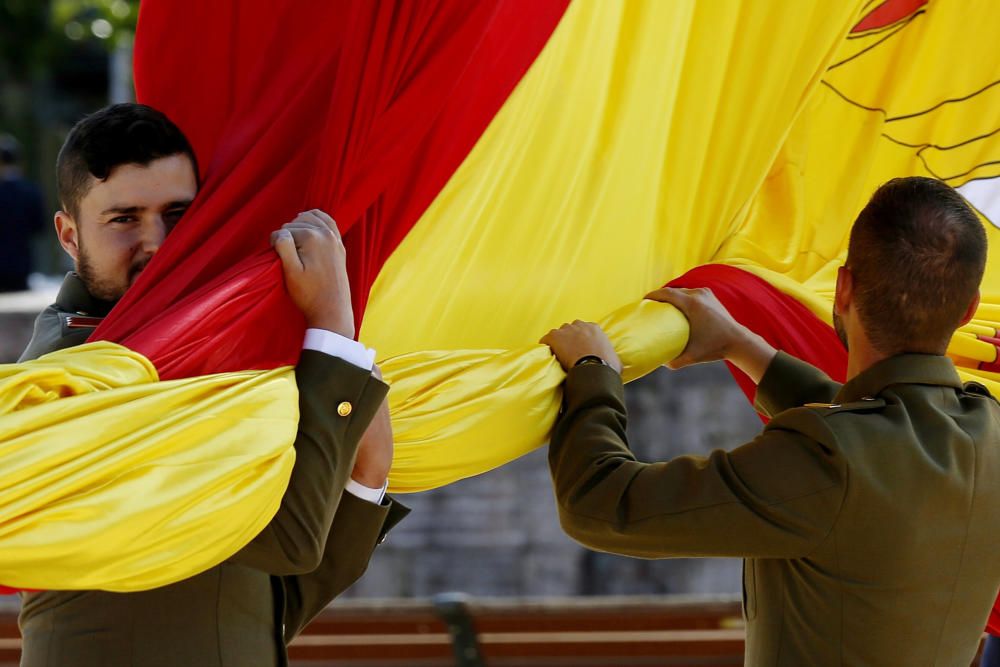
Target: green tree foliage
[36, 35]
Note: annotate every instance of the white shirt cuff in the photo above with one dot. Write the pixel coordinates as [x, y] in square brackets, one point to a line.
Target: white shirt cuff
[339, 346]
[366, 492]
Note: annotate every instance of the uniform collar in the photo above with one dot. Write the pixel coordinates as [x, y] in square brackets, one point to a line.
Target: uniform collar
[929, 369]
[73, 297]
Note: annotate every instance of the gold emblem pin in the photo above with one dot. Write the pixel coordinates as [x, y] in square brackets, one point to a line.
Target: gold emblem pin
[344, 409]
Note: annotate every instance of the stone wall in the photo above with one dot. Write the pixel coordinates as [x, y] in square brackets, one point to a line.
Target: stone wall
[15, 332]
[498, 534]
[17, 317]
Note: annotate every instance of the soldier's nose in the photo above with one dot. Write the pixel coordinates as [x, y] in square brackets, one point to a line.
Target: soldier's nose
[153, 236]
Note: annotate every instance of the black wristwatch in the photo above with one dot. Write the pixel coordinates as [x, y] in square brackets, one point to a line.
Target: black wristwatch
[590, 359]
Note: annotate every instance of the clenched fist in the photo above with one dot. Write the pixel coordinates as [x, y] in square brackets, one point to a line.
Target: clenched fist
[572, 342]
[715, 334]
[315, 266]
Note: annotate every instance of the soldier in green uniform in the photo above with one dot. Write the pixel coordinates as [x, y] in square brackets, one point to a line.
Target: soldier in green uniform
[126, 175]
[867, 513]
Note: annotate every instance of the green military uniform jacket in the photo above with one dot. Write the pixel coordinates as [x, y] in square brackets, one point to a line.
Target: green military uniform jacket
[243, 612]
[870, 527]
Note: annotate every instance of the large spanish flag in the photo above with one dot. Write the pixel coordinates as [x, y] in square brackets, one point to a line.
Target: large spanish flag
[497, 168]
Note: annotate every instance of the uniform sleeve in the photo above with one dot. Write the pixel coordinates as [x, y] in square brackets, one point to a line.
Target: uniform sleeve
[789, 383]
[775, 497]
[358, 527]
[325, 446]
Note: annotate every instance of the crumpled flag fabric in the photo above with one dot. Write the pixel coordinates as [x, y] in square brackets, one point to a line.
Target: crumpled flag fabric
[646, 138]
[114, 480]
[628, 153]
[463, 412]
[616, 167]
[614, 146]
[630, 149]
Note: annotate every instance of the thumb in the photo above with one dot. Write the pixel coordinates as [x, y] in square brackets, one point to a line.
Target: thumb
[680, 361]
[668, 295]
[284, 245]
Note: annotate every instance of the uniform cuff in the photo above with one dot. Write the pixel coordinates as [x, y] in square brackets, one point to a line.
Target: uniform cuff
[339, 346]
[366, 492]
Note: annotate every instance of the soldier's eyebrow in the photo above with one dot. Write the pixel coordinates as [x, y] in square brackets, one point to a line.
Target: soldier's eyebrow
[123, 210]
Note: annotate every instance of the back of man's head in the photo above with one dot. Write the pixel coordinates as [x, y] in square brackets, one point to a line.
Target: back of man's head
[116, 135]
[917, 254]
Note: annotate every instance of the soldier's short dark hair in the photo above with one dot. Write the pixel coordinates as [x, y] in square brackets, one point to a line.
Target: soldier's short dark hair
[917, 253]
[115, 135]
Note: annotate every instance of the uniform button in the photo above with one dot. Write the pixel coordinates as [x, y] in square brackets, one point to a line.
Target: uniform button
[344, 409]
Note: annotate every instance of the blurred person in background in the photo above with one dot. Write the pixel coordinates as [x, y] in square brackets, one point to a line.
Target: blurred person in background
[22, 218]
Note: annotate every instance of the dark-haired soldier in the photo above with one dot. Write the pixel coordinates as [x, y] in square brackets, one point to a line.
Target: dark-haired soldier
[126, 176]
[866, 512]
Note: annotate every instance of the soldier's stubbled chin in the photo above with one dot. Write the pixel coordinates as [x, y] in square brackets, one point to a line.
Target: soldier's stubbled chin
[838, 326]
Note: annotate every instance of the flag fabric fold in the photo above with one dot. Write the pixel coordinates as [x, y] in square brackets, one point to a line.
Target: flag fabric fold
[115, 480]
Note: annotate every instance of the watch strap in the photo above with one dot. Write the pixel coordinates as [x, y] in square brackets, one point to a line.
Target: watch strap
[590, 359]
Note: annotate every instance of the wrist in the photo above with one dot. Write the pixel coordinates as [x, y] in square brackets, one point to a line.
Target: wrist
[337, 325]
[740, 342]
[372, 480]
[372, 471]
[735, 338]
[753, 356]
[611, 361]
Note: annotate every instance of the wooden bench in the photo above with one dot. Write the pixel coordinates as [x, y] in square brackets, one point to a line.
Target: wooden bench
[581, 632]
[506, 632]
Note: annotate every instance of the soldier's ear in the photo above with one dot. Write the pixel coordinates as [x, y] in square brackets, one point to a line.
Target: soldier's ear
[971, 310]
[68, 234]
[845, 291]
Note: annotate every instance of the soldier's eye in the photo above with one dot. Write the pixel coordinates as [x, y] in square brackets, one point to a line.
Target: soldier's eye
[172, 216]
